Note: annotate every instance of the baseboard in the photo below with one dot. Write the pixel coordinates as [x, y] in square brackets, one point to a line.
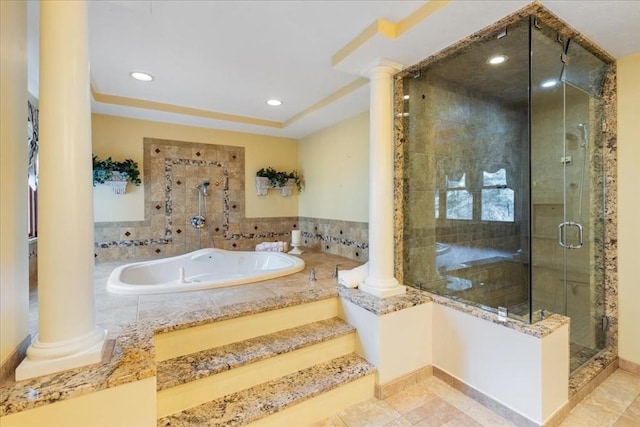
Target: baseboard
[382, 391]
[483, 399]
[557, 418]
[8, 367]
[629, 366]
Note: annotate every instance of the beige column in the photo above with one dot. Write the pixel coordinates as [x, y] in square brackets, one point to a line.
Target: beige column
[381, 281]
[68, 336]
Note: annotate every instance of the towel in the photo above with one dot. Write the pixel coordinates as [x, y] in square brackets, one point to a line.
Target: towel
[354, 277]
[458, 283]
[272, 247]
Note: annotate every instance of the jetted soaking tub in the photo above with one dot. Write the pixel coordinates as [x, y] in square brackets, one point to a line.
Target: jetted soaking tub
[203, 269]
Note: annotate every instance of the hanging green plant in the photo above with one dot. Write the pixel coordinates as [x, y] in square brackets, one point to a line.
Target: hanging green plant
[279, 179]
[110, 170]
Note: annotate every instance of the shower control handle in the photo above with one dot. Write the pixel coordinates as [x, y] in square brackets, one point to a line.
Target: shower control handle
[562, 234]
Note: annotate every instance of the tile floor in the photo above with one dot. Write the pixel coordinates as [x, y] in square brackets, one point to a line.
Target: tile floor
[432, 402]
[616, 402]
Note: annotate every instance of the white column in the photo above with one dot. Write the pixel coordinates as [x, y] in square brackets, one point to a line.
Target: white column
[68, 336]
[381, 281]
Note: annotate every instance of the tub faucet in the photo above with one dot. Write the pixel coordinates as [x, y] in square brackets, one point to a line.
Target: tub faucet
[335, 272]
[312, 275]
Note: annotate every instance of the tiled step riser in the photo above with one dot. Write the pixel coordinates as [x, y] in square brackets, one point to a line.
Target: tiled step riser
[320, 407]
[191, 340]
[194, 393]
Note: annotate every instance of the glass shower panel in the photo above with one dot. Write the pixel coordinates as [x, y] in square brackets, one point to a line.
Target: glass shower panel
[547, 171]
[467, 174]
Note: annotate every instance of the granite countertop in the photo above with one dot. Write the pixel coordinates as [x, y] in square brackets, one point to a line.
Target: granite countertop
[131, 356]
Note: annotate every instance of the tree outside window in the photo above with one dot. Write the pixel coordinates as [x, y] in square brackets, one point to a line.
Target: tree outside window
[498, 200]
[459, 199]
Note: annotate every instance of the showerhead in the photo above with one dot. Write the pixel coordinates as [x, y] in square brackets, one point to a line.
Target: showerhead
[584, 134]
[205, 187]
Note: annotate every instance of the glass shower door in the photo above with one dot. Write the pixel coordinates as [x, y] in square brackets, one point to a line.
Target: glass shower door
[567, 189]
[580, 233]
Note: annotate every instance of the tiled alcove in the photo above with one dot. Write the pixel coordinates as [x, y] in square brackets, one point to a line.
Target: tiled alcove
[171, 170]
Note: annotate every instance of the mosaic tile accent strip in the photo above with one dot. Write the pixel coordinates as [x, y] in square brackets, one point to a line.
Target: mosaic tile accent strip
[172, 169]
[348, 239]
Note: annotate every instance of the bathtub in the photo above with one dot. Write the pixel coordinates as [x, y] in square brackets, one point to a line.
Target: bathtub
[202, 269]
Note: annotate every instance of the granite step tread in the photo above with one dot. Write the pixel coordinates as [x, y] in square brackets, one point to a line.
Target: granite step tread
[268, 398]
[191, 367]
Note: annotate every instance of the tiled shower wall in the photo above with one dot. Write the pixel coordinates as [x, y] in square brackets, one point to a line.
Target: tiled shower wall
[172, 169]
[451, 131]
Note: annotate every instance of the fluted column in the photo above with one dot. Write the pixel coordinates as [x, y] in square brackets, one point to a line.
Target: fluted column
[381, 281]
[68, 336]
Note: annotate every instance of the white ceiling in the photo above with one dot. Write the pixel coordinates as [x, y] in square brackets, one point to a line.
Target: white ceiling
[231, 56]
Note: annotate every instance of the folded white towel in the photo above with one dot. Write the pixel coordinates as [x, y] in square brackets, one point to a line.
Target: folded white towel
[354, 277]
[272, 247]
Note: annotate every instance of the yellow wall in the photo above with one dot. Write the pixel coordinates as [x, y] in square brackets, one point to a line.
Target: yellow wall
[335, 164]
[14, 267]
[122, 138]
[629, 207]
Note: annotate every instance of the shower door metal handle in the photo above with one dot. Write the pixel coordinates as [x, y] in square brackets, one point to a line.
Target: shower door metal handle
[561, 234]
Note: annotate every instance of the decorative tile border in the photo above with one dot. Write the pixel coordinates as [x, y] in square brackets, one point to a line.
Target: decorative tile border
[171, 171]
[348, 239]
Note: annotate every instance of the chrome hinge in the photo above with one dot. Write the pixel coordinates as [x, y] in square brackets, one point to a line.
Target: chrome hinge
[604, 125]
[502, 314]
[605, 323]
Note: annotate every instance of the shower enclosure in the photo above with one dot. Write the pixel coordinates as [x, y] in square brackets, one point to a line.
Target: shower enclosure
[503, 182]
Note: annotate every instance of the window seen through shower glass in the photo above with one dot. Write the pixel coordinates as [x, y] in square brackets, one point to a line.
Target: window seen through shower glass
[497, 200]
[459, 199]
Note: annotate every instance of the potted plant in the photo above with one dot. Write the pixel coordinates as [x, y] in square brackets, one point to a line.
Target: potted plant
[115, 174]
[288, 180]
[270, 178]
[265, 179]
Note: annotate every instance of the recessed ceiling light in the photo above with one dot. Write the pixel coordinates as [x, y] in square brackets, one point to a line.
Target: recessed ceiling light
[549, 83]
[497, 59]
[143, 77]
[405, 97]
[274, 102]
